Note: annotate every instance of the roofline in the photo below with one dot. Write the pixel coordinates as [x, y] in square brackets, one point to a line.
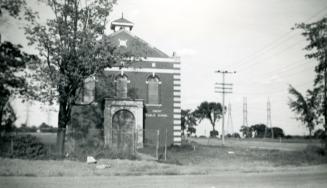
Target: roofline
[123, 24]
[128, 32]
[176, 60]
[162, 59]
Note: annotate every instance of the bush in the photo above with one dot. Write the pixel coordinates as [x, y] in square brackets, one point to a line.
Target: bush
[236, 135]
[214, 133]
[320, 134]
[47, 128]
[288, 136]
[315, 150]
[25, 147]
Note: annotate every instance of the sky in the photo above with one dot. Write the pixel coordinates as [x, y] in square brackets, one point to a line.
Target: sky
[252, 37]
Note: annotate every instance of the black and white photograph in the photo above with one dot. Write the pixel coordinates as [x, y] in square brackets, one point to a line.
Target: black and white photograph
[163, 93]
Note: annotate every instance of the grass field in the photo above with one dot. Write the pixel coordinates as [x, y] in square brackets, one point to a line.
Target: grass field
[46, 138]
[196, 157]
[270, 144]
[199, 156]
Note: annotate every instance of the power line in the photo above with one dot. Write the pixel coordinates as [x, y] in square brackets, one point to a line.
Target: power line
[282, 38]
[247, 66]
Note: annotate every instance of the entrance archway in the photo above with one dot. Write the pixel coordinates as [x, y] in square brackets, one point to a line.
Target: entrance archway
[123, 123]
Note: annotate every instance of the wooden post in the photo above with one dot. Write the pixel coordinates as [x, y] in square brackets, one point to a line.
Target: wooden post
[12, 146]
[166, 145]
[157, 147]
[134, 141]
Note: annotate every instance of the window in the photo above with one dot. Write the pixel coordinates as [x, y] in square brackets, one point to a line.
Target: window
[153, 89]
[121, 86]
[89, 90]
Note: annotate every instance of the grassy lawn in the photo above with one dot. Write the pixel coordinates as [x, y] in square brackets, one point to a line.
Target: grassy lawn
[196, 157]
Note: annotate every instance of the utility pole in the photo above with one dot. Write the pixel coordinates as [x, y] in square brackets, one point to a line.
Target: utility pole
[230, 119]
[269, 124]
[223, 88]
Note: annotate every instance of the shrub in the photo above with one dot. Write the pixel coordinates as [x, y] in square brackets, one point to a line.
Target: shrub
[25, 147]
[236, 135]
[288, 136]
[214, 133]
[320, 134]
[311, 149]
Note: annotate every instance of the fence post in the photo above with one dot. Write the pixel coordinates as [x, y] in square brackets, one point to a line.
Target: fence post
[12, 145]
[157, 147]
[166, 145]
[134, 142]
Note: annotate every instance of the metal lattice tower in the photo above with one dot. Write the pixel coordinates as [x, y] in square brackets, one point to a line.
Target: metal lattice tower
[230, 119]
[245, 112]
[269, 124]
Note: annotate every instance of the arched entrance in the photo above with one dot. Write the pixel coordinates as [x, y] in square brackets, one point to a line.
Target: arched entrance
[123, 123]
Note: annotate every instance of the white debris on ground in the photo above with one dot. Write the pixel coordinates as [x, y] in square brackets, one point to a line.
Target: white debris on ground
[90, 160]
[102, 166]
[231, 152]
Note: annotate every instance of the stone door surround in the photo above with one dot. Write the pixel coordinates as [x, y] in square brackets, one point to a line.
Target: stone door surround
[113, 105]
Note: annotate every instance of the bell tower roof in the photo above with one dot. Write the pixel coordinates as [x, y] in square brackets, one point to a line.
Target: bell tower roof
[121, 23]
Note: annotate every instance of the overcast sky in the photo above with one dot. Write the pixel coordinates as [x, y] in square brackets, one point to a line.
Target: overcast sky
[252, 37]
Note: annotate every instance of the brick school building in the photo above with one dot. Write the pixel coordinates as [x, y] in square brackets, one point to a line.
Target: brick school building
[130, 103]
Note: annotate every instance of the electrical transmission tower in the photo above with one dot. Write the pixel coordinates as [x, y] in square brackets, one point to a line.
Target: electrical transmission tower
[223, 88]
[269, 124]
[245, 112]
[230, 119]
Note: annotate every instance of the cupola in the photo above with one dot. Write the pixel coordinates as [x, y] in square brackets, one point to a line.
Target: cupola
[121, 23]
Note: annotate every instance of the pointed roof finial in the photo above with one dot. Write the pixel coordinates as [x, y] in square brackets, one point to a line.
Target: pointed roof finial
[122, 15]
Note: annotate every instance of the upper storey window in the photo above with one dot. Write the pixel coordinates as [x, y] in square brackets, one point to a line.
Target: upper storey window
[89, 90]
[153, 82]
[121, 86]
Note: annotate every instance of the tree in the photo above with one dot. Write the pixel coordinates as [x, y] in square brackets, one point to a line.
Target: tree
[246, 131]
[259, 130]
[12, 6]
[316, 34]
[8, 119]
[72, 48]
[211, 111]
[12, 81]
[304, 106]
[278, 132]
[188, 121]
[13, 63]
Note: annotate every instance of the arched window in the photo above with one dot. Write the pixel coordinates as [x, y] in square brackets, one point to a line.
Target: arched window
[121, 86]
[89, 90]
[153, 82]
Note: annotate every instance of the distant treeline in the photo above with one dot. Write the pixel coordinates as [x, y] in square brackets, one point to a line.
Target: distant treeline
[24, 128]
[261, 131]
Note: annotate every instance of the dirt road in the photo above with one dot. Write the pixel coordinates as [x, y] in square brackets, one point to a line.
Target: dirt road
[280, 179]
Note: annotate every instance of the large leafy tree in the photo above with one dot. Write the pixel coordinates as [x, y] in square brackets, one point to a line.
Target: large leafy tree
[12, 80]
[246, 131]
[211, 111]
[13, 64]
[72, 48]
[188, 120]
[305, 107]
[316, 35]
